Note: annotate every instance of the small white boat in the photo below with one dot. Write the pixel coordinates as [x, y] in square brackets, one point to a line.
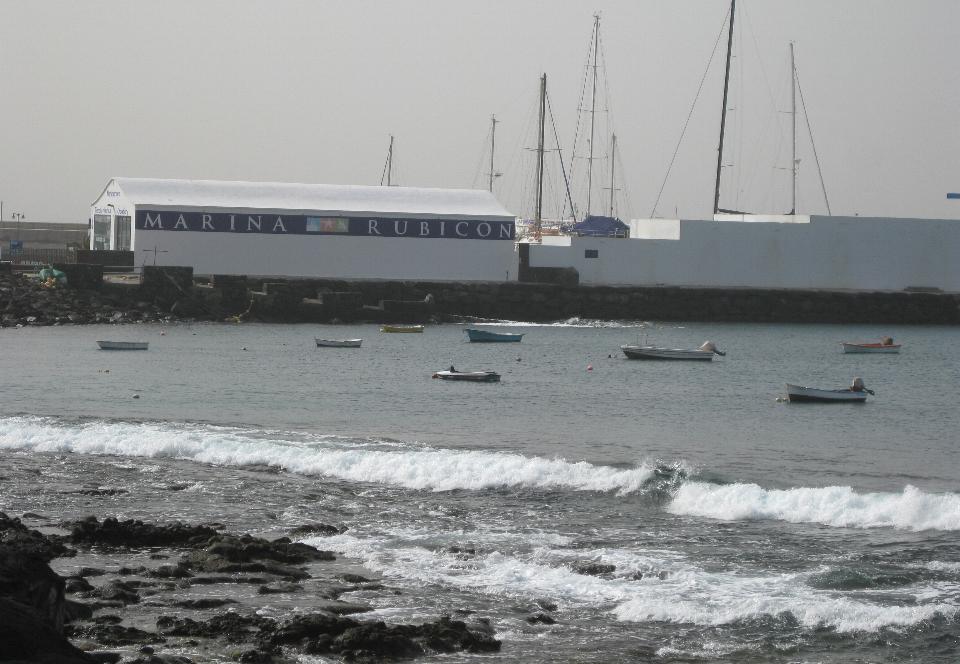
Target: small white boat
[470, 376]
[856, 393]
[885, 345]
[123, 345]
[338, 343]
[705, 352]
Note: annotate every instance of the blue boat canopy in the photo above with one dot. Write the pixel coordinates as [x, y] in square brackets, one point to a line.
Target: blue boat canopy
[599, 226]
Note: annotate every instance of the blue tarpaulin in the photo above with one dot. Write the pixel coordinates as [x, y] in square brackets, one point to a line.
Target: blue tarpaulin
[598, 226]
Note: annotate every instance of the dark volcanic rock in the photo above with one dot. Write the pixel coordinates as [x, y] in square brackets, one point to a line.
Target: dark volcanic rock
[16, 536]
[593, 569]
[246, 548]
[316, 529]
[136, 533]
[540, 618]
[231, 626]
[26, 636]
[26, 579]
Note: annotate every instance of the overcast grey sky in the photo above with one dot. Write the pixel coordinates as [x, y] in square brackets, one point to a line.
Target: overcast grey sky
[309, 91]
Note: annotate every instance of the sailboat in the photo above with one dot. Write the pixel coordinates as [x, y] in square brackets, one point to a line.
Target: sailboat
[718, 211]
[603, 225]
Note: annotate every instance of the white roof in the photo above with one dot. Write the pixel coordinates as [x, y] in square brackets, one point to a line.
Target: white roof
[360, 199]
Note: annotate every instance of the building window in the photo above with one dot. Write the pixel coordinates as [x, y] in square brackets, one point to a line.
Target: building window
[591, 253]
[123, 234]
[101, 231]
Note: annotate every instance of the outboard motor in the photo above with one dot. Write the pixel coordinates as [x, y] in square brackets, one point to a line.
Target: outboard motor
[709, 345]
[856, 385]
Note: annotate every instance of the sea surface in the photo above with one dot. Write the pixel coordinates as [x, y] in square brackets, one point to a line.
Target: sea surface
[740, 528]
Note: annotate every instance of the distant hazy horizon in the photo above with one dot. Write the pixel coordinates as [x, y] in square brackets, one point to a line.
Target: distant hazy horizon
[301, 91]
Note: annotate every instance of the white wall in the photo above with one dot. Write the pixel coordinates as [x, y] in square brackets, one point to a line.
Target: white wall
[347, 257]
[856, 253]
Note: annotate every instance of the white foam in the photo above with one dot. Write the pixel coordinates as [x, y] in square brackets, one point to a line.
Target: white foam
[412, 467]
[684, 594]
[840, 506]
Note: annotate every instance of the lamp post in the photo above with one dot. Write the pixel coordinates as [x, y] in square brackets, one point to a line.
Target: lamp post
[18, 217]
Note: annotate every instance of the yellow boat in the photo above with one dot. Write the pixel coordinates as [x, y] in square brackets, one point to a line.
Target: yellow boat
[401, 328]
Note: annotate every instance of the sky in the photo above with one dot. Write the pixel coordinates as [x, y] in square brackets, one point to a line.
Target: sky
[311, 91]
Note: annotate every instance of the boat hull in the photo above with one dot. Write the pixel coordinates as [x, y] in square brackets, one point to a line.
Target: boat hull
[483, 336]
[798, 393]
[871, 348]
[469, 376]
[402, 329]
[657, 353]
[338, 343]
[123, 345]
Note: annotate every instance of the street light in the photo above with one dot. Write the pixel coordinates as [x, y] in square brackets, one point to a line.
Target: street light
[18, 217]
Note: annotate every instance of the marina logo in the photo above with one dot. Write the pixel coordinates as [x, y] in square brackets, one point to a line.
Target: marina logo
[274, 224]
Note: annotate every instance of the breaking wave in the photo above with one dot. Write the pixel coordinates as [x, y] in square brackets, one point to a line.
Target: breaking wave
[839, 506]
[404, 465]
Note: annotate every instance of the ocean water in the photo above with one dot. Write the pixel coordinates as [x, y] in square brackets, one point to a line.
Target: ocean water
[739, 527]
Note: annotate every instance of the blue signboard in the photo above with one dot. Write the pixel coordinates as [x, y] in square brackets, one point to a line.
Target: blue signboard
[290, 224]
[16, 247]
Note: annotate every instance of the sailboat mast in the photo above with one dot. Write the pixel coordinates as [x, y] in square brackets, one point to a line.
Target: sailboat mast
[793, 112]
[538, 219]
[613, 162]
[723, 113]
[493, 143]
[388, 167]
[593, 108]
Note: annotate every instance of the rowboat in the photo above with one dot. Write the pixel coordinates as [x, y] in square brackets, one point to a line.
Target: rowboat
[800, 393]
[470, 376]
[484, 336]
[123, 345]
[705, 352]
[338, 343]
[401, 328]
[885, 345]
[856, 393]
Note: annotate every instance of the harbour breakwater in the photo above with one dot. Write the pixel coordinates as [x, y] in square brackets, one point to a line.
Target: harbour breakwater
[162, 293]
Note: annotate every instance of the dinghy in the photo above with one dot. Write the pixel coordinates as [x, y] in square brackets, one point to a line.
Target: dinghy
[401, 328]
[469, 376]
[885, 345]
[485, 336]
[123, 345]
[338, 343]
[704, 352]
[856, 393]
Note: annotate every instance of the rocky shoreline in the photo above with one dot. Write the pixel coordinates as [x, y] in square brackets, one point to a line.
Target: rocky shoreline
[176, 589]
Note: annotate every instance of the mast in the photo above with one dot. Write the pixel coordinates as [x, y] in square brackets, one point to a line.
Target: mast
[538, 218]
[793, 111]
[388, 167]
[593, 108]
[723, 113]
[493, 134]
[613, 162]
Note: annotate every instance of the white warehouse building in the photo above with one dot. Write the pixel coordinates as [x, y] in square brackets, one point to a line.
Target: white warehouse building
[308, 230]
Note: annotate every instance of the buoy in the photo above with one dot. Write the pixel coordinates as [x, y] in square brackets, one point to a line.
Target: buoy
[136, 396]
[244, 348]
[518, 358]
[589, 367]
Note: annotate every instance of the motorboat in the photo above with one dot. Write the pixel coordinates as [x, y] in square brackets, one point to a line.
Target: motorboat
[123, 345]
[485, 336]
[338, 343]
[401, 328]
[470, 376]
[856, 393]
[885, 345]
[704, 352]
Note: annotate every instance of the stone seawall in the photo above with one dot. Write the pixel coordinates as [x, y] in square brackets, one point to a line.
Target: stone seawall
[550, 302]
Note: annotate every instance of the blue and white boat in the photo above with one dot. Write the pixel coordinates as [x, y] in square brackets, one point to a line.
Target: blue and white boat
[484, 336]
